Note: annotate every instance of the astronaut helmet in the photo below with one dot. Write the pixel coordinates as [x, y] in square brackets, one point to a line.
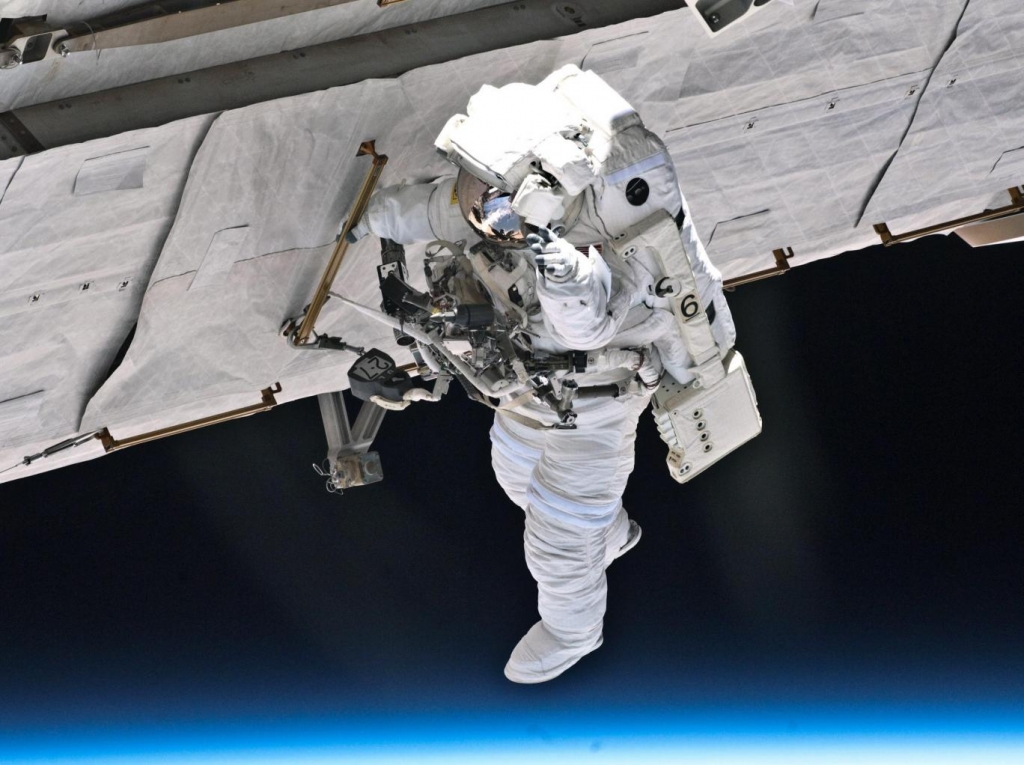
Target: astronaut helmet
[490, 212]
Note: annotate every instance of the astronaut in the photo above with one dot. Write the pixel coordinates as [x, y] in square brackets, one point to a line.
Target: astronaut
[565, 177]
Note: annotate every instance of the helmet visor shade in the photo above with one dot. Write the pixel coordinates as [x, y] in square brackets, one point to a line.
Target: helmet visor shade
[488, 211]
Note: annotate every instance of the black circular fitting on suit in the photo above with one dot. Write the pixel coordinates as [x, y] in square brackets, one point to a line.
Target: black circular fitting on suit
[637, 191]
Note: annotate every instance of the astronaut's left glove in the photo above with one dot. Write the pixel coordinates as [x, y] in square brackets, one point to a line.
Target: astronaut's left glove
[555, 258]
[575, 293]
[357, 232]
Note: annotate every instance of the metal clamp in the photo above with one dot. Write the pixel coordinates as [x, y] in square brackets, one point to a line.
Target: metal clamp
[267, 402]
[26, 40]
[1016, 205]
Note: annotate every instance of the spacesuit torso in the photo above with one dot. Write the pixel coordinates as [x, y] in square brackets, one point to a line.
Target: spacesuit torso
[577, 159]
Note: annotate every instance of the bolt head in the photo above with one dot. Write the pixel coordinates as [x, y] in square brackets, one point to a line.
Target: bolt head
[10, 58]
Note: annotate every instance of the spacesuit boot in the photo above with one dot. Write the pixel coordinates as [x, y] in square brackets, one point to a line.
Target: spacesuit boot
[572, 592]
[541, 655]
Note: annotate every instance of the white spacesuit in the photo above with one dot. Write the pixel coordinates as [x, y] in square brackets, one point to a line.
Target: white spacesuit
[571, 161]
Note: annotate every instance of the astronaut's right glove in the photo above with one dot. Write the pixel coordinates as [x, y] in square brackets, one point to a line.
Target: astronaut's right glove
[555, 258]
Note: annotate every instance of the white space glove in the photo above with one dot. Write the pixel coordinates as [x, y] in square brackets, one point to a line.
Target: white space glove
[555, 258]
[358, 232]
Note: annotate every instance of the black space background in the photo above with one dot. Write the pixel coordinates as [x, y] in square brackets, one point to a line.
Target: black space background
[864, 550]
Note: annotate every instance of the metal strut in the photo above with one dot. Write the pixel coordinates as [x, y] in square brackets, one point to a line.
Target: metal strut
[29, 39]
[267, 402]
[349, 461]
[301, 335]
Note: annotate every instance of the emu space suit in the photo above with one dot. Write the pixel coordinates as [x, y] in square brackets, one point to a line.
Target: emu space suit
[567, 156]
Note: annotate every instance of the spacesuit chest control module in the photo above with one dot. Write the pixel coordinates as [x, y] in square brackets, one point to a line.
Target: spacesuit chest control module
[563, 269]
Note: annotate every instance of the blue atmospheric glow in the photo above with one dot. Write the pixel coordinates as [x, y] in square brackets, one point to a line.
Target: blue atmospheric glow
[742, 751]
[778, 735]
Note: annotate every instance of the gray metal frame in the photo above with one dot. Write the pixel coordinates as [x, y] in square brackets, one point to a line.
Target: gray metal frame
[387, 53]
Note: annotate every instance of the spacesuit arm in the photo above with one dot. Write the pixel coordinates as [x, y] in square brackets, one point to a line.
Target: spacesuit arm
[578, 305]
[418, 213]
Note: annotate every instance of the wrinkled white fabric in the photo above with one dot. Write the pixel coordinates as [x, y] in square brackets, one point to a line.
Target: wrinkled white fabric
[569, 484]
[577, 476]
[775, 146]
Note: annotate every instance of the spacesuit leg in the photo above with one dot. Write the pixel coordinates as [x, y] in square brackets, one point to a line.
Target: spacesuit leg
[575, 527]
[515, 450]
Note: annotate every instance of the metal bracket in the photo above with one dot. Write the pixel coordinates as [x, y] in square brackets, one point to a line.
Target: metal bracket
[267, 402]
[349, 461]
[26, 40]
[318, 342]
[782, 257]
[1016, 205]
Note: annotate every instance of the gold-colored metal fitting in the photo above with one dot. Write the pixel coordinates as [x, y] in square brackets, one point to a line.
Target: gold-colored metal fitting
[267, 402]
[366, 148]
[1016, 206]
[782, 257]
